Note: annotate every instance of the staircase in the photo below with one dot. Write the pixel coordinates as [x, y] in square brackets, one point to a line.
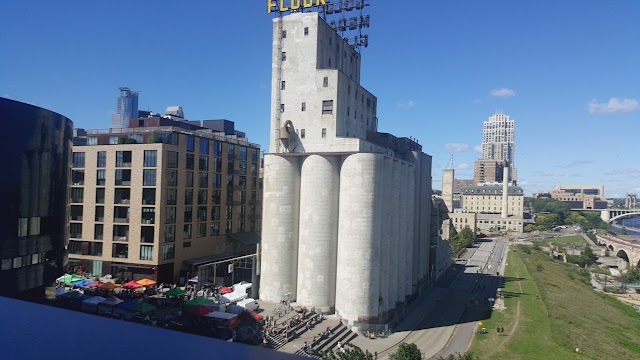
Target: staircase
[341, 334]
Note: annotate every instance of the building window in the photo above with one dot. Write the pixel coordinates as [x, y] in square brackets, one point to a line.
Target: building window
[282, 85]
[75, 230]
[284, 56]
[148, 196]
[202, 196]
[169, 233]
[188, 196]
[78, 159]
[202, 213]
[189, 179]
[99, 216]
[216, 197]
[190, 162]
[77, 177]
[304, 106]
[102, 159]
[123, 159]
[98, 232]
[172, 159]
[325, 81]
[76, 212]
[170, 215]
[215, 213]
[217, 148]
[215, 229]
[191, 142]
[202, 230]
[217, 165]
[149, 177]
[283, 34]
[229, 226]
[204, 146]
[122, 196]
[172, 196]
[217, 180]
[281, 107]
[203, 180]
[187, 231]
[324, 133]
[146, 252]
[306, 31]
[77, 195]
[150, 158]
[188, 214]
[148, 215]
[123, 177]
[100, 195]
[302, 134]
[327, 107]
[101, 177]
[168, 251]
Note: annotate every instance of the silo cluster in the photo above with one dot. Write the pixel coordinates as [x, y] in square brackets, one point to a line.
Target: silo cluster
[345, 233]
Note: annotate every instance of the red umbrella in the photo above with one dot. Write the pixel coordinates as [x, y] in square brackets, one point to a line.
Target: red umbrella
[200, 310]
[132, 285]
[95, 284]
[226, 290]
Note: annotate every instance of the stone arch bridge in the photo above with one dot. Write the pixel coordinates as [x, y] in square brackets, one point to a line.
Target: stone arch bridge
[621, 248]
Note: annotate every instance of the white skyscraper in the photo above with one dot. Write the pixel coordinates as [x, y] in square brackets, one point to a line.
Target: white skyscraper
[498, 141]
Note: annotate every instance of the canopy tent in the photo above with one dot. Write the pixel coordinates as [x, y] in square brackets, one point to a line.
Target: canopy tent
[60, 291]
[69, 279]
[83, 283]
[79, 299]
[131, 285]
[91, 304]
[142, 307]
[108, 286]
[69, 295]
[200, 310]
[146, 282]
[226, 290]
[127, 304]
[95, 284]
[111, 301]
[232, 297]
[175, 292]
[199, 300]
[193, 279]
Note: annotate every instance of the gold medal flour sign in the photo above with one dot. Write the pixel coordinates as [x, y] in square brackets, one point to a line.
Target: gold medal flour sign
[283, 5]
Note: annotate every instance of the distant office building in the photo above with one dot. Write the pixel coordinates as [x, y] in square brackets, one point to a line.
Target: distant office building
[581, 197]
[488, 171]
[36, 148]
[498, 142]
[347, 208]
[127, 108]
[161, 198]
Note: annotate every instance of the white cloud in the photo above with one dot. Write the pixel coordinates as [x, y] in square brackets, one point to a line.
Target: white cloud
[463, 166]
[614, 105]
[456, 147]
[478, 149]
[407, 104]
[502, 92]
[574, 163]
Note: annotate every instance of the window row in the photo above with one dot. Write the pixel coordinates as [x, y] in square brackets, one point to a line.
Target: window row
[120, 232]
[117, 250]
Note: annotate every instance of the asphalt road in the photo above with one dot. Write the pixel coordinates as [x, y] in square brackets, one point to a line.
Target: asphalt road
[440, 331]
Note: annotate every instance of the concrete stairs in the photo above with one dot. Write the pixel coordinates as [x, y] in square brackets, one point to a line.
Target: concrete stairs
[341, 334]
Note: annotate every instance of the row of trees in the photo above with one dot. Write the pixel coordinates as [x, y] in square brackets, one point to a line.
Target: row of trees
[461, 241]
[405, 352]
[553, 213]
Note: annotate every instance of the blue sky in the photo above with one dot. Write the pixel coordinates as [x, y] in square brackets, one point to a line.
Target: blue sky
[566, 71]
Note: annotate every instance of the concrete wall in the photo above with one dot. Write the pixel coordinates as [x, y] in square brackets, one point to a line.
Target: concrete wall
[280, 227]
[319, 195]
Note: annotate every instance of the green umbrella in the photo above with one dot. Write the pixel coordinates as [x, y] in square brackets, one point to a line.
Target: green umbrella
[143, 307]
[69, 279]
[200, 300]
[175, 292]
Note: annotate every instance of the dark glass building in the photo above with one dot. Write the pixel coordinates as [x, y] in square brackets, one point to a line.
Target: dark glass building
[34, 198]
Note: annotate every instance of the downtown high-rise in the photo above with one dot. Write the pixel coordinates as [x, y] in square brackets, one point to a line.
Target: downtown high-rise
[127, 108]
[498, 142]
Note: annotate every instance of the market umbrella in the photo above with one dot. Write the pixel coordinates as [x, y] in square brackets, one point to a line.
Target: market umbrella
[60, 291]
[200, 300]
[70, 279]
[83, 283]
[175, 292]
[132, 285]
[146, 282]
[142, 307]
[95, 284]
[193, 279]
[108, 286]
[226, 290]
[200, 310]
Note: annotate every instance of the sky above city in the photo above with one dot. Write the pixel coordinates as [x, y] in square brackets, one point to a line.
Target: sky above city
[566, 71]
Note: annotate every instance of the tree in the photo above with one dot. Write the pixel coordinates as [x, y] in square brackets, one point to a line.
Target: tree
[466, 237]
[633, 275]
[458, 356]
[407, 352]
[349, 352]
[547, 221]
[589, 255]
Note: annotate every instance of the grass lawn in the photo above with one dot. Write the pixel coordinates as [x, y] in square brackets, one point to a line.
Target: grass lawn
[563, 240]
[566, 314]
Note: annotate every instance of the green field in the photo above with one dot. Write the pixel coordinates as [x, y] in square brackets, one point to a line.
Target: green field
[563, 240]
[551, 311]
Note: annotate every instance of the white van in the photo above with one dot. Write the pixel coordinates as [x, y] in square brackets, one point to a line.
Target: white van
[249, 304]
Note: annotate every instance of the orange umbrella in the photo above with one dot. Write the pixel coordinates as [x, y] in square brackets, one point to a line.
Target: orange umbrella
[132, 285]
[146, 282]
[108, 286]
